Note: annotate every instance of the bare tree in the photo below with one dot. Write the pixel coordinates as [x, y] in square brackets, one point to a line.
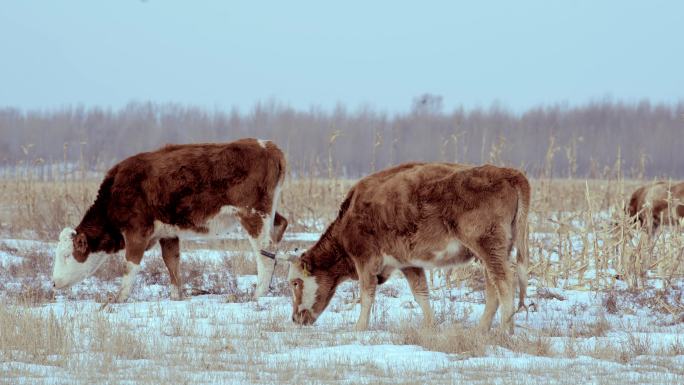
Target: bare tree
[650, 136]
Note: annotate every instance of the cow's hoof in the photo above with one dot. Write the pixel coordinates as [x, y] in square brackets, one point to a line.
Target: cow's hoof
[427, 324]
[361, 328]
[483, 329]
[259, 292]
[176, 294]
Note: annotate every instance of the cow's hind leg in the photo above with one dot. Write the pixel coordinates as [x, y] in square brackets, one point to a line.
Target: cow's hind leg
[494, 248]
[491, 303]
[265, 269]
[279, 227]
[503, 281]
[258, 228]
[419, 287]
[170, 248]
[368, 281]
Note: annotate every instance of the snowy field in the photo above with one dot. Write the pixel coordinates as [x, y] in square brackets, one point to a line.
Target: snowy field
[219, 335]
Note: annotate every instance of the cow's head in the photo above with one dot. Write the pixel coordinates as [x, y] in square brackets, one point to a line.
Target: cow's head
[312, 288]
[73, 259]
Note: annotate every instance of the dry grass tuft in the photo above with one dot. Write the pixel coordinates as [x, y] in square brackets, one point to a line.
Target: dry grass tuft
[581, 240]
[470, 342]
[610, 303]
[583, 236]
[33, 338]
[454, 339]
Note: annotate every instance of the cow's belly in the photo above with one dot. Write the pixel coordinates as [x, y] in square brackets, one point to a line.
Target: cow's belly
[224, 222]
[451, 254]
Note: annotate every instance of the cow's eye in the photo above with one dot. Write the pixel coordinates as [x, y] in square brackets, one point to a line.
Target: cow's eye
[295, 283]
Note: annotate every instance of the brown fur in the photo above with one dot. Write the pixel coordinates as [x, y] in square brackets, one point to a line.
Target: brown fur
[183, 186]
[650, 207]
[412, 211]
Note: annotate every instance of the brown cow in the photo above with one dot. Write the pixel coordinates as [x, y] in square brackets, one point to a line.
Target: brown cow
[657, 203]
[416, 216]
[178, 190]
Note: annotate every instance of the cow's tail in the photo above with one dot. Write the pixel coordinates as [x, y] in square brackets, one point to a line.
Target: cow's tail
[276, 164]
[521, 235]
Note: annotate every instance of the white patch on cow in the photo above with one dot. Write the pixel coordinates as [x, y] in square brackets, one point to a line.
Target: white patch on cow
[424, 264]
[452, 248]
[440, 258]
[265, 265]
[388, 260]
[127, 281]
[220, 224]
[308, 291]
[67, 270]
[262, 142]
[175, 292]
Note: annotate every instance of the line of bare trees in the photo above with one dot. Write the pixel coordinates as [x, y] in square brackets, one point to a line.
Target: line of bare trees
[644, 139]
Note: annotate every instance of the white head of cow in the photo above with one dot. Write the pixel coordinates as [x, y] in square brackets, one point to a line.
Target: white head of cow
[311, 288]
[67, 270]
[304, 288]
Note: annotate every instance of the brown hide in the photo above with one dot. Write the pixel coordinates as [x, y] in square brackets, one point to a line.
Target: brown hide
[406, 210]
[649, 204]
[184, 185]
[411, 212]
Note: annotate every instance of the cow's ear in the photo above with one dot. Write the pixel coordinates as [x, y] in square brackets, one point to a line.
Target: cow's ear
[111, 242]
[80, 246]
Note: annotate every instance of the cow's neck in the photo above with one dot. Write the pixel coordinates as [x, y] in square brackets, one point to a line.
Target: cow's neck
[328, 254]
[102, 235]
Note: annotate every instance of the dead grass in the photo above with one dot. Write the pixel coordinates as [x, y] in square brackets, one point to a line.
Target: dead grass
[574, 327]
[40, 339]
[573, 247]
[454, 339]
[576, 241]
[199, 342]
[470, 342]
[634, 347]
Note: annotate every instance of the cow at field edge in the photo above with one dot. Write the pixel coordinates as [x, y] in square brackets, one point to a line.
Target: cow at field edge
[657, 203]
[176, 191]
[416, 216]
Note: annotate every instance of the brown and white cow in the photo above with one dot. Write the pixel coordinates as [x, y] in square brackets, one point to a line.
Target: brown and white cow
[416, 216]
[655, 204]
[178, 190]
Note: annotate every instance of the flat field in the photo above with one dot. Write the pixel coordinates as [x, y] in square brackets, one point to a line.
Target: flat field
[606, 304]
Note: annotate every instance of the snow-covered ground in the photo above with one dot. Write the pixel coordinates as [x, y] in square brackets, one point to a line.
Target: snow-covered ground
[568, 337]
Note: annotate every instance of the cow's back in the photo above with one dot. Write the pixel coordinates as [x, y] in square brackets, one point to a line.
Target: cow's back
[406, 207]
[678, 195]
[183, 185]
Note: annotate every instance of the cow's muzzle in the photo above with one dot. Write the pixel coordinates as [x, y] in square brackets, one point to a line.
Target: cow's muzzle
[303, 317]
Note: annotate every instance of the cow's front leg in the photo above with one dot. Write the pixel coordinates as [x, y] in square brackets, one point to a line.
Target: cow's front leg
[170, 248]
[135, 248]
[127, 281]
[258, 228]
[368, 282]
[419, 287]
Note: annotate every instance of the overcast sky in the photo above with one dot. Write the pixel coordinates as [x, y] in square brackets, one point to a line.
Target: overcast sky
[219, 54]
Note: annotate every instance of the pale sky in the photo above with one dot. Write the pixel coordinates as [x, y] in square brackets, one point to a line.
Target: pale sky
[219, 54]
